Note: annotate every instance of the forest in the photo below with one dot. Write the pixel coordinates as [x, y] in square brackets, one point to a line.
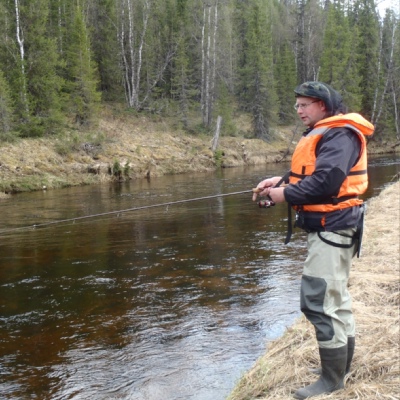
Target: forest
[193, 60]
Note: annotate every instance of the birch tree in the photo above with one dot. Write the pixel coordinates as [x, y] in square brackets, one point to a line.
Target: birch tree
[308, 39]
[132, 34]
[23, 97]
[146, 50]
[386, 102]
[208, 60]
[395, 82]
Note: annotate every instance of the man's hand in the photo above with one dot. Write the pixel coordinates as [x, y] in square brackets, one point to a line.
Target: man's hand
[265, 187]
[277, 194]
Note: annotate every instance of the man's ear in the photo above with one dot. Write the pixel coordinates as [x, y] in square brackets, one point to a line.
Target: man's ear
[323, 106]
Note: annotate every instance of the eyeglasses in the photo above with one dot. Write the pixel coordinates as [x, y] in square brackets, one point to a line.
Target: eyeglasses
[302, 106]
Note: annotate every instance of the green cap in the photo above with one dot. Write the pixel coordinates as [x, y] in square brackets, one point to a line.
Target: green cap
[322, 91]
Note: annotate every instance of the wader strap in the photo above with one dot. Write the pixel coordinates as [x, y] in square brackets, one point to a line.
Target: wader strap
[360, 230]
[343, 246]
[285, 178]
[289, 224]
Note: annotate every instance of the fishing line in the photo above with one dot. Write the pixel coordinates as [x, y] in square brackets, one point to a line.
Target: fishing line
[62, 221]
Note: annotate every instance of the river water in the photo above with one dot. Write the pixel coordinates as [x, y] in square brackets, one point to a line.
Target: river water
[171, 302]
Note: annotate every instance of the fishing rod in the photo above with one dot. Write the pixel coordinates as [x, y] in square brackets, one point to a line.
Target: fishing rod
[263, 204]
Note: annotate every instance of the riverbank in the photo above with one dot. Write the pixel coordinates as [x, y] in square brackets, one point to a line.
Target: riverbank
[374, 285]
[124, 146]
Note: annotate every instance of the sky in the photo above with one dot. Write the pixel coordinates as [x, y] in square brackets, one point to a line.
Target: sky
[384, 4]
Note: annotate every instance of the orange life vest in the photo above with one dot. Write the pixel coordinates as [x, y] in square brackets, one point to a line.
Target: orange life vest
[304, 160]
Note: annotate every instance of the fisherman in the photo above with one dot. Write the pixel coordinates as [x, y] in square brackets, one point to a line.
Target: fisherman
[328, 172]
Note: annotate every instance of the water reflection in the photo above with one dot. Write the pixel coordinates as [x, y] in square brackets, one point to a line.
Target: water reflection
[169, 303]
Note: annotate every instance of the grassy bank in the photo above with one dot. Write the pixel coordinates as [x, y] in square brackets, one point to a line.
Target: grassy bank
[374, 285]
[124, 146]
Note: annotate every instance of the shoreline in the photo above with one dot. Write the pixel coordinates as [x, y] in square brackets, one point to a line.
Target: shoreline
[132, 148]
[374, 286]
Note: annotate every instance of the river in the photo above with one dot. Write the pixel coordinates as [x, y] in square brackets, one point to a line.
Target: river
[170, 302]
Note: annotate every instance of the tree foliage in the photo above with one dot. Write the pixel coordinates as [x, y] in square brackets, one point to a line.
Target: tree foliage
[194, 59]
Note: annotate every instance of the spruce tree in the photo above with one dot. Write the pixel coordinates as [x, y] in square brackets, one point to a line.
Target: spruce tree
[81, 72]
[366, 21]
[6, 109]
[106, 52]
[338, 63]
[29, 57]
[285, 78]
[284, 61]
[43, 82]
[257, 83]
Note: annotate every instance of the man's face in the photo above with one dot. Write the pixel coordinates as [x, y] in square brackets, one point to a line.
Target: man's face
[310, 110]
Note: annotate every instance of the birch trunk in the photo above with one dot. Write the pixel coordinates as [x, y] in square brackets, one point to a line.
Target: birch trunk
[59, 26]
[396, 112]
[132, 50]
[209, 61]
[20, 41]
[207, 68]
[375, 102]
[214, 65]
[388, 76]
[203, 70]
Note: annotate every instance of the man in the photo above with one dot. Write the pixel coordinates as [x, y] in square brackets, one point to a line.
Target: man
[328, 172]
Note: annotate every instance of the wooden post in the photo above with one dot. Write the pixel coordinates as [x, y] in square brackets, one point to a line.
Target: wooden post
[214, 144]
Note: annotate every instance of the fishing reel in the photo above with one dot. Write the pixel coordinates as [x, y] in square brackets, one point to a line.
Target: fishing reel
[266, 203]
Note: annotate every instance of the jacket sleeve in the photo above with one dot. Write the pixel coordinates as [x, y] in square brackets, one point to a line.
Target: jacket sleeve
[337, 152]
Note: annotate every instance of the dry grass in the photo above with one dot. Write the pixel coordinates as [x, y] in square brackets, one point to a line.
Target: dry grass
[374, 285]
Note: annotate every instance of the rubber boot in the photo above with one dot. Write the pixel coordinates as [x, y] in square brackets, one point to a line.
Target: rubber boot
[333, 364]
[351, 344]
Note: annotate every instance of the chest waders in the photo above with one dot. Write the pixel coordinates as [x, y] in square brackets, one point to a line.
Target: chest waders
[326, 303]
